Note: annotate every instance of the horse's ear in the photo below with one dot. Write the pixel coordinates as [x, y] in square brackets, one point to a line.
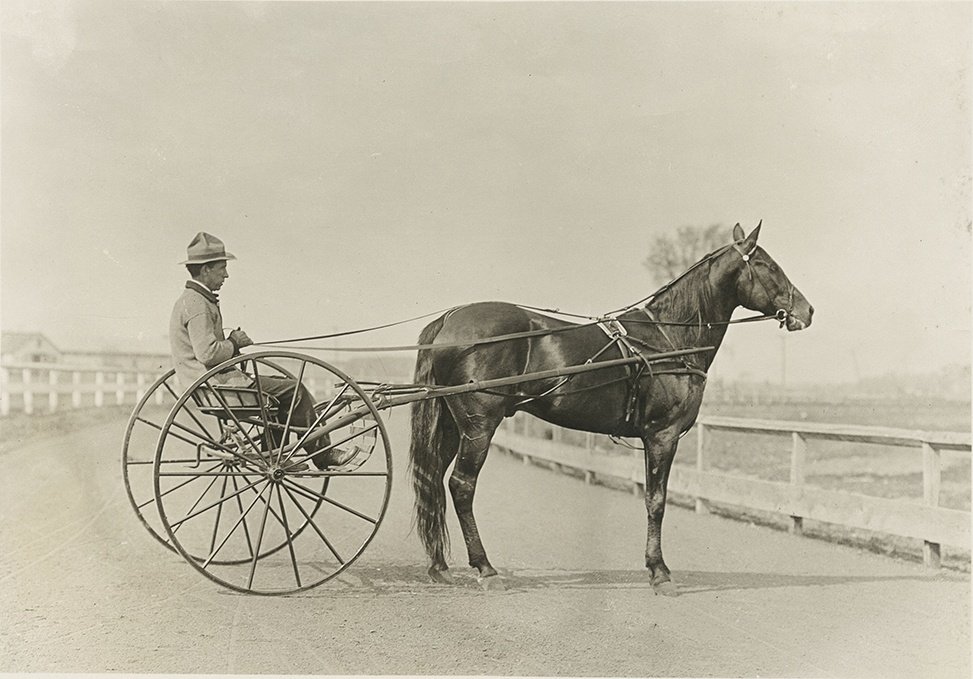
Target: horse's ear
[752, 238]
[738, 233]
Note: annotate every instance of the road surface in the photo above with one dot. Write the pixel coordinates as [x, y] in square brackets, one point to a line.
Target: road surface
[83, 588]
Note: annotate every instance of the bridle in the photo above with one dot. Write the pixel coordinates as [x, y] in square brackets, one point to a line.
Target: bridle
[781, 314]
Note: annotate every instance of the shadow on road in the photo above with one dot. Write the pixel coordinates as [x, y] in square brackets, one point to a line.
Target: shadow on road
[697, 582]
[401, 579]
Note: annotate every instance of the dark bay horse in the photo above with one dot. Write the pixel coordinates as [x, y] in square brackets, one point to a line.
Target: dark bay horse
[658, 404]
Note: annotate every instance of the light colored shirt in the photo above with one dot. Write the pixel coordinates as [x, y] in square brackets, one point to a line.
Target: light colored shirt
[196, 339]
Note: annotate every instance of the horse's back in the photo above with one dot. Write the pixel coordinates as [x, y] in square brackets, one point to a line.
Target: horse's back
[484, 319]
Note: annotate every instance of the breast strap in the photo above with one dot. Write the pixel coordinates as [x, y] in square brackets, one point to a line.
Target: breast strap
[619, 336]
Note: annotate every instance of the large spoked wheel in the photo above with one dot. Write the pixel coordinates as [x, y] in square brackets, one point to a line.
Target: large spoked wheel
[280, 492]
[138, 450]
[141, 440]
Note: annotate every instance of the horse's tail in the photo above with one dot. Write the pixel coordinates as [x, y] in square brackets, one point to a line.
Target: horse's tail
[428, 456]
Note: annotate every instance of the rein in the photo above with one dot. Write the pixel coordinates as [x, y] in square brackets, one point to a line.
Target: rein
[411, 347]
[780, 315]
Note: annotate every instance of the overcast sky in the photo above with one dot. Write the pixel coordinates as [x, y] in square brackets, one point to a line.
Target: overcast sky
[372, 162]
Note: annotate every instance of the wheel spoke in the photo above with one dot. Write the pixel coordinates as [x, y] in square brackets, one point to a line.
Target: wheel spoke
[177, 487]
[268, 440]
[260, 535]
[331, 446]
[317, 421]
[213, 504]
[287, 536]
[290, 413]
[243, 516]
[273, 513]
[190, 412]
[219, 513]
[229, 410]
[313, 525]
[204, 439]
[246, 529]
[314, 496]
[200, 499]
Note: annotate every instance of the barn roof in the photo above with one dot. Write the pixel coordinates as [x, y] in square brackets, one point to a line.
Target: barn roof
[12, 342]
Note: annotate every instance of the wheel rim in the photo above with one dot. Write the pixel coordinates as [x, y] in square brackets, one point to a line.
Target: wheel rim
[141, 440]
[227, 511]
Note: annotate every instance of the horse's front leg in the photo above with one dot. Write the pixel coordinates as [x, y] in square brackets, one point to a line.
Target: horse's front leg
[660, 449]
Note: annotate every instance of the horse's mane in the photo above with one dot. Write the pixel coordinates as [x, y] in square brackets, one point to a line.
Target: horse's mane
[688, 298]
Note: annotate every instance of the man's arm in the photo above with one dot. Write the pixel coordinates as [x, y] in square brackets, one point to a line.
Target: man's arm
[208, 348]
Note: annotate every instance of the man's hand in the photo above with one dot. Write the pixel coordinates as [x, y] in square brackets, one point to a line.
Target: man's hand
[240, 338]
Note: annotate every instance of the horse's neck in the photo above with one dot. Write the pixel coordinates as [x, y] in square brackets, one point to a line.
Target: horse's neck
[704, 311]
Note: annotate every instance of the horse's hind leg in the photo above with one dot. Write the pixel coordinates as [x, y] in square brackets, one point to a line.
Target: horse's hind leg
[436, 549]
[475, 436]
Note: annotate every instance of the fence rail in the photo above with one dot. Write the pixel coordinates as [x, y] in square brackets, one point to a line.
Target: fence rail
[48, 387]
[929, 522]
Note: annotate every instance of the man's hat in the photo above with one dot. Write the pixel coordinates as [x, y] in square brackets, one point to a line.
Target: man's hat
[206, 248]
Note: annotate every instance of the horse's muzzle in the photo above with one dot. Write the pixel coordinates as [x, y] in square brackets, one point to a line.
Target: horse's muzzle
[799, 319]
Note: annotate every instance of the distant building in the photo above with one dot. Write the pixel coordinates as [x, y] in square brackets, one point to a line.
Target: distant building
[34, 347]
[28, 347]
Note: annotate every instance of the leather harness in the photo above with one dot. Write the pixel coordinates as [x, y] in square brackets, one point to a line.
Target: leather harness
[618, 337]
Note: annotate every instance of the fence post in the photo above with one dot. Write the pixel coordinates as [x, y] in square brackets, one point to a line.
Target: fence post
[139, 386]
[798, 459]
[99, 389]
[76, 389]
[589, 476]
[52, 383]
[701, 506]
[4, 391]
[525, 458]
[931, 484]
[28, 394]
[119, 388]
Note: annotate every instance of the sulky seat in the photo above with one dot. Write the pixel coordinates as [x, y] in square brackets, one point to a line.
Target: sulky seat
[243, 402]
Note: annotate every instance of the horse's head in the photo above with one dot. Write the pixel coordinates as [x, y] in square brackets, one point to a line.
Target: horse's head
[761, 285]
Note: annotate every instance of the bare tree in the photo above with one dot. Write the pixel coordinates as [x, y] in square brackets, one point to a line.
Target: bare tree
[672, 253]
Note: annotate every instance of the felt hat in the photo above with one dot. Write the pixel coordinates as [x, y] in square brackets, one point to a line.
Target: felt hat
[206, 248]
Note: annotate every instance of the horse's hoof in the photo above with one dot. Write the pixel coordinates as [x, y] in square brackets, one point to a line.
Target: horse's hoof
[441, 577]
[492, 583]
[667, 588]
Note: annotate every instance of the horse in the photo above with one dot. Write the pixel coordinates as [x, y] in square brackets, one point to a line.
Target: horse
[657, 403]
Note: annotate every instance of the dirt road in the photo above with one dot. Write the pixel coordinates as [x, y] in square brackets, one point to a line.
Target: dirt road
[83, 588]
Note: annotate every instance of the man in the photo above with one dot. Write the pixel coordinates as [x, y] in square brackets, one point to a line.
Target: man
[198, 343]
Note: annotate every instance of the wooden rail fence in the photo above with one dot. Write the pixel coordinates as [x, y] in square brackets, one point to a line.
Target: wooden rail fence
[929, 522]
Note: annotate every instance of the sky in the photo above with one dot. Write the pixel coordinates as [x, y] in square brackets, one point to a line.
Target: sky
[372, 162]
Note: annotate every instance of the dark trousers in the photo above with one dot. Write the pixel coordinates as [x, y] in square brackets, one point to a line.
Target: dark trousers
[283, 389]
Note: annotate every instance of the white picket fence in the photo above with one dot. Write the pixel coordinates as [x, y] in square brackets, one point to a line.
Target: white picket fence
[48, 387]
[35, 388]
[928, 521]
